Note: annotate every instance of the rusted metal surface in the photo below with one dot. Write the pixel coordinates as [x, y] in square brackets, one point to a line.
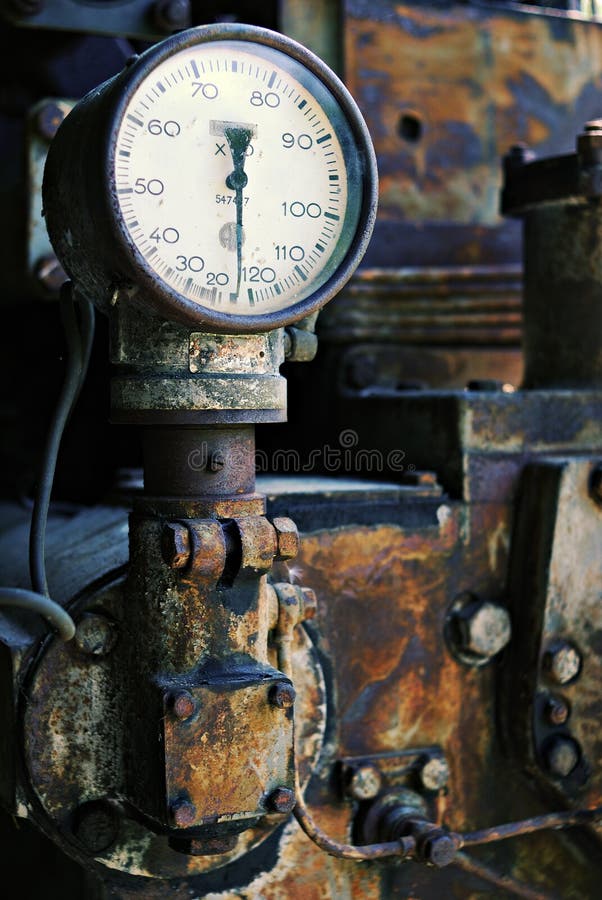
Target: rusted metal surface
[447, 91]
[555, 591]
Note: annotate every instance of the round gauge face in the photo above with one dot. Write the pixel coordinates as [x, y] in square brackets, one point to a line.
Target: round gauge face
[239, 178]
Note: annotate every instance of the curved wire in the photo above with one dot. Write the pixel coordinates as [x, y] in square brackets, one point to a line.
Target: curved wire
[38, 603]
[78, 352]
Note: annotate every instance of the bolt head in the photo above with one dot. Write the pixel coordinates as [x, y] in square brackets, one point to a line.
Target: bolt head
[562, 662]
[95, 634]
[182, 704]
[484, 629]
[282, 695]
[175, 545]
[434, 774]
[96, 826]
[561, 756]
[182, 813]
[439, 850]
[365, 782]
[170, 15]
[48, 119]
[287, 538]
[557, 711]
[282, 800]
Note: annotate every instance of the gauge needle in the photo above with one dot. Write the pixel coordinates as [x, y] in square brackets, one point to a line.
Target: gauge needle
[238, 141]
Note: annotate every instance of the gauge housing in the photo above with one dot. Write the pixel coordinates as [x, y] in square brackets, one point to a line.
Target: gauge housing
[85, 221]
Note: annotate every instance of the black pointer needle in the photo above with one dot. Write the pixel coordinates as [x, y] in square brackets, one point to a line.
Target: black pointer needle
[238, 141]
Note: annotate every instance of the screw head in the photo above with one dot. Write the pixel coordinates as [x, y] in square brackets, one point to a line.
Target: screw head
[96, 826]
[484, 629]
[48, 120]
[557, 711]
[439, 849]
[175, 545]
[95, 634]
[281, 800]
[170, 15]
[562, 662]
[561, 756]
[434, 774]
[365, 782]
[182, 704]
[182, 813]
[282, 695]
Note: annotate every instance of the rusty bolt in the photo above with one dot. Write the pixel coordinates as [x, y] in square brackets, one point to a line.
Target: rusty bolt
[96, 826]
[561, 756]
[434, 774]
[216, 461]
[50, 273]
[438, 849]
[595, 486]
[287, 538]
[557, 711]
[365, 782]
[170, 15]
[562, 662]
[310, 604]
[484, 629]
[175, 545]
[183, 704]
[48, 119]
[95, 634]
[282, 800]
[182, 813]
[282, 695]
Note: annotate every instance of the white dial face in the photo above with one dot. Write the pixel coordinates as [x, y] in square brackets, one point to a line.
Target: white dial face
[237, 177]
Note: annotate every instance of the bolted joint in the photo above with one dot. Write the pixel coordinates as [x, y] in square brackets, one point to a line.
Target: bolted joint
[287, 538]
[282, 695]
[434, 773]
[561, 756]
[363, 782]
[95, 634]
[282, 800]
[437, 848]
[175, 545]
[562, 662]
[182, 704]
[96, 826]
[182, 813]
[300, 345]
[482, 629]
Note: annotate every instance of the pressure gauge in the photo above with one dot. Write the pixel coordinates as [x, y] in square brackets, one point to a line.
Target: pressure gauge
[225, 179]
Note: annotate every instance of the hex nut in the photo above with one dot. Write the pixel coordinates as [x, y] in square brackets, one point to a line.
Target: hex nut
[95, 634]
[282, 695]
[365, 782]
[287, 538]
[281, 800]
[438, 849]
[182, 813]
[561, 756]
[175, 545]
[434, 774]
[562, 662]
[484, 629]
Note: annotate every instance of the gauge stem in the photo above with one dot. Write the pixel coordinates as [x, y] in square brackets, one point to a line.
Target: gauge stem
[238, 142]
